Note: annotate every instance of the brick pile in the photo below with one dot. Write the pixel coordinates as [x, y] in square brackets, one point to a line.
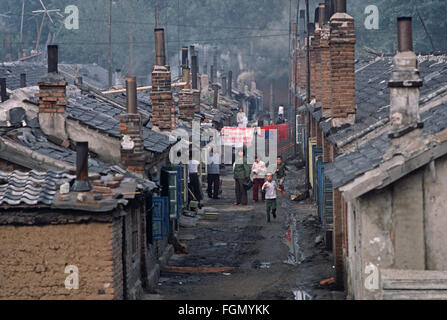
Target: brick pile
[163, 111]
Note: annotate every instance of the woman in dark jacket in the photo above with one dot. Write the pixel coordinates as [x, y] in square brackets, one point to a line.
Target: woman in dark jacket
[241, 171]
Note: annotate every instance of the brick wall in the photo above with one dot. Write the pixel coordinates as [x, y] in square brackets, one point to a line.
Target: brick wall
[325, 70]
[52, 94]
[163, 114]
[132, 155]
[342, 50]
[33, 261]
[189, 103]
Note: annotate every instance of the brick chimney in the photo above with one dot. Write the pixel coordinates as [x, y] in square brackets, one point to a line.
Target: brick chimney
[404, 84]
[131, 148]
[342, 48]
[325, 59]
[52, 98]
[163, 111]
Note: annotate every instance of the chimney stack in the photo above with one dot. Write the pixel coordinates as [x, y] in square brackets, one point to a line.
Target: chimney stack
[82, 183]
[160, 52]
[53, 99]
[321, 14]
[53, 59]
[185, 57]
[194, 71]
[3, 94]
[230, 83]
[342, 51]
[404, 84]
[131, 148]
[340, 6]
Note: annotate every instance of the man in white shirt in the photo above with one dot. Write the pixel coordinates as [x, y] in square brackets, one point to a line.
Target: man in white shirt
[194, 183]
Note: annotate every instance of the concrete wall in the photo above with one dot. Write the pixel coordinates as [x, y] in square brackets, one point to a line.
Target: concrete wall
[401, 227]
[33, 261]
[435, 214]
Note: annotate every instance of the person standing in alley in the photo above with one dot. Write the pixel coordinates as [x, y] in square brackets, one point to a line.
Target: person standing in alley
[241, 175]
[194, 183]
[258, 171]
[241, 119]
[270, 189]
[213, 176]
[281, 172]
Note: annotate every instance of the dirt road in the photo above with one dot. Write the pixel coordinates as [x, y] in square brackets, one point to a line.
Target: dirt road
[279, 260]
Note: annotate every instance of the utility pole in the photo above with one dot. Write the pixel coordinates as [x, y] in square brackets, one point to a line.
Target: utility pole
[156, 14]
[130, 71]
[166, 31]
[109, 58]
[21, 30]
[307, 93]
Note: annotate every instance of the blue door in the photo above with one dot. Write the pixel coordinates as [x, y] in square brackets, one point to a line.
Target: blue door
[160, 217]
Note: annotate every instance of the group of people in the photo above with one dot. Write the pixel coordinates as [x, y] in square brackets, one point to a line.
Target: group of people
[263, 182]
[245, 177]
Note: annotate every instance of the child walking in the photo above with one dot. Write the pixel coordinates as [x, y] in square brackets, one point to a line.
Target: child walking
[270, 189]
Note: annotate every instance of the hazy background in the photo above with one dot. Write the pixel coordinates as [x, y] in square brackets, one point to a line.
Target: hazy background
[251, 35]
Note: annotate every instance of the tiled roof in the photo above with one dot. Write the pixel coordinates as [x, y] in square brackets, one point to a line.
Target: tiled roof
[373, 95]
[12, 70]
[347, 167]
[30, 188]
[104, 117]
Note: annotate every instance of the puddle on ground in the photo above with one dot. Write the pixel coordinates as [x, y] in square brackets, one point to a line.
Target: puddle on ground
[291, 239]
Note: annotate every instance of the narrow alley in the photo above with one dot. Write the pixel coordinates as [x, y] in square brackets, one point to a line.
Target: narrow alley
[234, 254]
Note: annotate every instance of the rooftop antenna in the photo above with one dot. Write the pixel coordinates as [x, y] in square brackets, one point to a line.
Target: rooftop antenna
[45, 12]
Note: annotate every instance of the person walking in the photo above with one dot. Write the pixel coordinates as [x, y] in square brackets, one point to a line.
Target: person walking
[194, 183]
[270, 189]
[241, 174]
[213, 176]
[241, 119]
[281, 172]
[258, 171]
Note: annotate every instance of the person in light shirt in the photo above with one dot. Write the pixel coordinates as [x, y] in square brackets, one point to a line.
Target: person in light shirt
[270, 189]
[194, 183]
[241, 119]
[258, 171]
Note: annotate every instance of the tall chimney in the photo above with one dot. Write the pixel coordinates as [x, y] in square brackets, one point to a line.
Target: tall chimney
[185, 57]
[53, 99]
[215, 65]
[342, 47]
[321, 14]
[224, 85]
[404, 84]
[82, 183]
[194, 71]
[23, 80]
[216, 94]
[53, 59]
[160, 52]
[132, 147]
[3, 94]
[340, 6]
[212, 74]
[230, 83]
